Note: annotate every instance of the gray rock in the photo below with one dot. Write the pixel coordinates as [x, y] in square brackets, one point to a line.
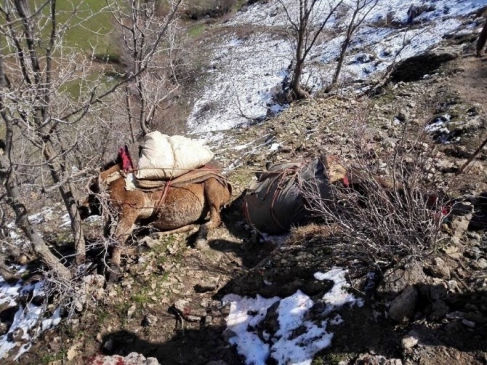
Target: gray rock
[228, 334]
[459, 224]
[131, 359]
[403, 306]
[108, 345]
[370, 359]
[444, 165]
[480, 264]
[18, 335]
[453, 286]
[439, 269]
[414, 68]
[208, 284]
[472, 252]
[409, 341]
[396, 281]
[149, 242]
[471, 126]
[3, 328]
[474, 236]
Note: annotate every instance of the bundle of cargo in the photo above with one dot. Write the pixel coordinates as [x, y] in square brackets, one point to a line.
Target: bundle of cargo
[275, 202]
[163, 157]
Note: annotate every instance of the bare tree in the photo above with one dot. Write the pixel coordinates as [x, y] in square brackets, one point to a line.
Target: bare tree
[306, 27]
[140, 28]
[359, 11]
[8, 178]
[42, 118]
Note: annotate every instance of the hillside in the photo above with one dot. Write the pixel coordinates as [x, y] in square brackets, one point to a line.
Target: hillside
[352, 302]
[449, 315]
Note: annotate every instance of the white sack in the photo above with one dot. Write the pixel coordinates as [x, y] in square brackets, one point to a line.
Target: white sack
[164, 157]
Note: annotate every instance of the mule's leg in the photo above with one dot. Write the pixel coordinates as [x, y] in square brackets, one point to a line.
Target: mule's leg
[184, 229]
[125, 226]
[216, 195]
[482, 39]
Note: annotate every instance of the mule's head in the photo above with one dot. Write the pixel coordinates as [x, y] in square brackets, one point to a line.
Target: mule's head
[91, 205]
[336, 171]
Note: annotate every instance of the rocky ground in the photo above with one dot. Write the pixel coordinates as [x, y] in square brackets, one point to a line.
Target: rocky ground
[427, 309]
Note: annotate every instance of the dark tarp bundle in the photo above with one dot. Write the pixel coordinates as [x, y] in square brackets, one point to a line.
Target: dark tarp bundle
[275, 202]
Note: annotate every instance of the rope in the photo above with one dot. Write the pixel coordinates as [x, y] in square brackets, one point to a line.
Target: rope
[164, 193]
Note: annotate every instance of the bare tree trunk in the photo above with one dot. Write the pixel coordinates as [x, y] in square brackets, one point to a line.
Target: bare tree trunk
[360, 5]
[30, 231]
[343, 51]
[66, 192]
[41, 115]
[298, 69]
[7, 176]
[299, 92]
[305, 35]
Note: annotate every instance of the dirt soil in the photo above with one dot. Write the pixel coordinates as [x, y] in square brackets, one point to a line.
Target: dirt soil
[140, 313]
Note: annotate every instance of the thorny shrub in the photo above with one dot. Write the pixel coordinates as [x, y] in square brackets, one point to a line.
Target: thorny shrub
[390, 210]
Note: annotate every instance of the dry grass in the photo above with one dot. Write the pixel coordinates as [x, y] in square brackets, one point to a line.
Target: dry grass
[313, 232]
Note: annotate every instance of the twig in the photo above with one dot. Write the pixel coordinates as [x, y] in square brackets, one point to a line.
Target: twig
[477, 151]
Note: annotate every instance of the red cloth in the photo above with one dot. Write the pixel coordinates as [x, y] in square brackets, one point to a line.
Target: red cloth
[127, 164]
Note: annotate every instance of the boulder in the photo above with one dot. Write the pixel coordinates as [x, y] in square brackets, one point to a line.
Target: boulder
[403, 306]
[414, 68]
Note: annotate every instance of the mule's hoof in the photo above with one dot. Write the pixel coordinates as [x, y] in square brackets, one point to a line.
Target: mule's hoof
[201, 244]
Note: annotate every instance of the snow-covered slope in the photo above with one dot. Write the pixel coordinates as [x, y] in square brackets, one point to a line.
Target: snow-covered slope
[248, 70]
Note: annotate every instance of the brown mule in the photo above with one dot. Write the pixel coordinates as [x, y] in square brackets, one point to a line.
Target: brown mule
[173, 208]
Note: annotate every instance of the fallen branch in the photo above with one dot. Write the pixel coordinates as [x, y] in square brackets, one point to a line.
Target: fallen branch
[477, 151]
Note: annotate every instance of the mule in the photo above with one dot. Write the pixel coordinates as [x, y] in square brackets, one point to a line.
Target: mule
[173, 208]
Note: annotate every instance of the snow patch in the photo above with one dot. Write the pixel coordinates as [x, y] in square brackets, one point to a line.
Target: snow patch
[29, 320]
[297, 339]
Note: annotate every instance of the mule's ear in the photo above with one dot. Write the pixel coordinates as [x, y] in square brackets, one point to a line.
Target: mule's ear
[99, 181]
[88, 185]
[336, 171]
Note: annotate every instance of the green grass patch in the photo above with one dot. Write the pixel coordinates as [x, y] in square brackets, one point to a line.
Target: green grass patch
[89, 25]
[141, 298]
[81, 86]
[196, 30]
[103, 315]
[52, 358]
[239, 4]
